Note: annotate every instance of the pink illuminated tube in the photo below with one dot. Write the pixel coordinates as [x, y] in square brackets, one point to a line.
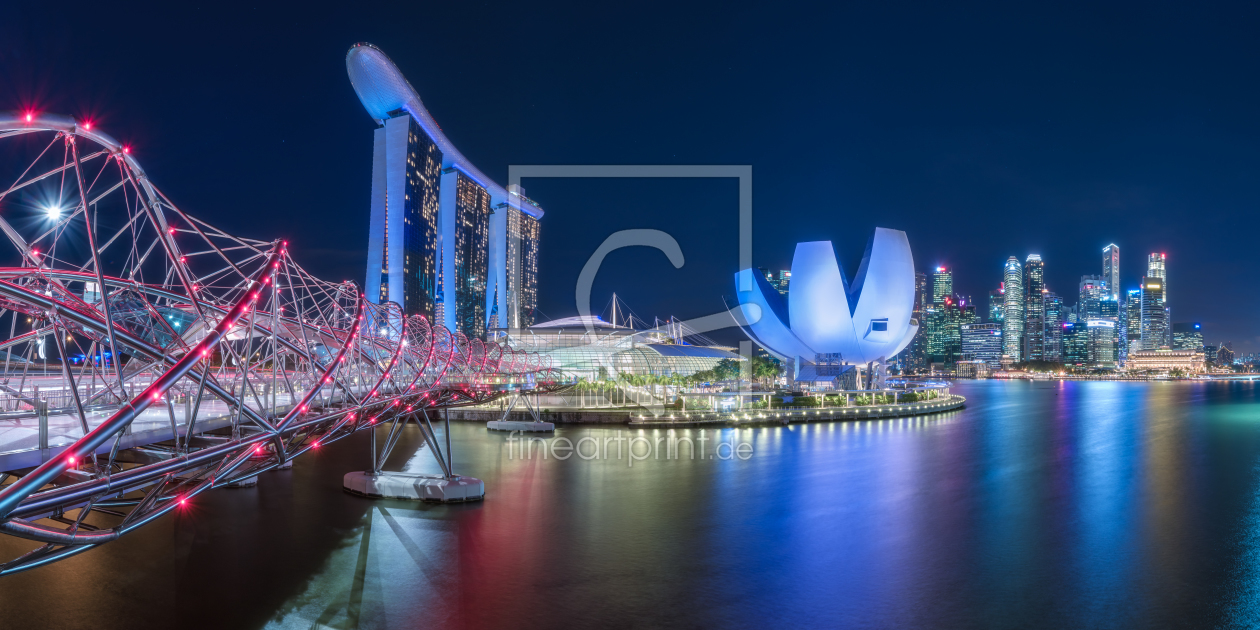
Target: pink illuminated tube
[13, 494]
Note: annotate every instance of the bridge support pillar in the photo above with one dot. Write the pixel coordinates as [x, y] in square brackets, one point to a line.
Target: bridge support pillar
[415, 487]
[534, 425]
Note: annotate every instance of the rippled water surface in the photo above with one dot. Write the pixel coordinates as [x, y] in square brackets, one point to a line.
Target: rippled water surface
[1040, 505]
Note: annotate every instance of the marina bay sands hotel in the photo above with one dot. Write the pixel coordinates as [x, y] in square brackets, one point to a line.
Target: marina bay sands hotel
[446, 241]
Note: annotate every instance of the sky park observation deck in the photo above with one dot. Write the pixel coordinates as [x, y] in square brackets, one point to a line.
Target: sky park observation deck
[445, 240]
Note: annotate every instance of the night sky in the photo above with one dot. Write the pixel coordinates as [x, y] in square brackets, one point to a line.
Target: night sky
[983, 132]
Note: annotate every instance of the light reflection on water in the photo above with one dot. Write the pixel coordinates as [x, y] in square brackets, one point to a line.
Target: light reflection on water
[1049, 504]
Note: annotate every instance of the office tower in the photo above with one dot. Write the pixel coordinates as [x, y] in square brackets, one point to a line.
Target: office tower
[1157, 267]
[1187, 336]
[982, 342]
[933, 333]
[1111, 270]
[1054, 327]
[942, 324]
[916, 354]
[438, 221]
[967, 312]
[1133, 321]
[1034, 308]
[1109, 309]
[1101, 351]
[942, 285]
[779, 280]
[1075, 344]
[1154, 324]
[997, 305]
[1013, 322]
[955, 317]
[1092, 290]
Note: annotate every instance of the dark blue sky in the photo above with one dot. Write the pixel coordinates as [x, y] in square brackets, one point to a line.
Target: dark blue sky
[984, 131]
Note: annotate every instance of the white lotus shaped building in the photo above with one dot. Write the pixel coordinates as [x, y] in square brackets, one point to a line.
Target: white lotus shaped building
[867, 320]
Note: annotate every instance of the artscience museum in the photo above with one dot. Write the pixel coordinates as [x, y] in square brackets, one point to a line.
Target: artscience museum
[829, 318]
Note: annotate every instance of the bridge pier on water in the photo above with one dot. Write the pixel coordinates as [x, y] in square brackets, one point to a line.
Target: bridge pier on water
[445, 488]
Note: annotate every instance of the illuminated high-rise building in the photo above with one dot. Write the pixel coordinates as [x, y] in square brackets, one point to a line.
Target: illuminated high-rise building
[1054, 327]
[465, 250]
[1156, 267]
[997, 305]
[1075, 344]
[1013, 322]
[438, 221]
[1187, 336]
[1092, 291]
[916, 354]
[1101, 343]
[982, 342]
[942, 285]
[1132, 321]
[403, 223]
[1034, 308]
[521, 261]
[1111, 270]
[1154, 322]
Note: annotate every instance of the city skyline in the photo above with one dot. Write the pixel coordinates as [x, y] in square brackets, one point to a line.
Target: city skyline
[1099, 145]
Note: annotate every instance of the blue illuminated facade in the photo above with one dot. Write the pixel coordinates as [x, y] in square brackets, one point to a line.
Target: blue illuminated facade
[441, 231]
[868, 319]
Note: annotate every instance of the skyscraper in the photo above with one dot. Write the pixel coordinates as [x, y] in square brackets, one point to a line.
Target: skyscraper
[1075, 344]
[1187, 336]
[1133, 321]
[1101, 345]
[403, 224]
[942, 285]
[436, 220]
[1111, 270]
[1054, 327]
[1154, 322]
[1034, 308]
[465, 252]
[521, 261]
[1092, 291]
[1157, 267]
[997, 305]
[982, 342]
[916, 359]
[1013, 322]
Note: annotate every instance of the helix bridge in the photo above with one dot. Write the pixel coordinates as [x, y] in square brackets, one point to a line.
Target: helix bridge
[150, 356]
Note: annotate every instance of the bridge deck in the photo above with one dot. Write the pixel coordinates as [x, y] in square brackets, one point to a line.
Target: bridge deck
[19, 436]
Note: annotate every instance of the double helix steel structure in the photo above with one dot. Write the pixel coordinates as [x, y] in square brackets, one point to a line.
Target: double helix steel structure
[151, 356]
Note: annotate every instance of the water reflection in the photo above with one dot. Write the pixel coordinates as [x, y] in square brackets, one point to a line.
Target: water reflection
[1050, 504]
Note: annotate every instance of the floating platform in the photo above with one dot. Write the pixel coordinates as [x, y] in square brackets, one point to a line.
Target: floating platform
[415, 487]
[520, 425]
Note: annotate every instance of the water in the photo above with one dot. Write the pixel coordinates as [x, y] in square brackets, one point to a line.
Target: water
[1041, 505]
